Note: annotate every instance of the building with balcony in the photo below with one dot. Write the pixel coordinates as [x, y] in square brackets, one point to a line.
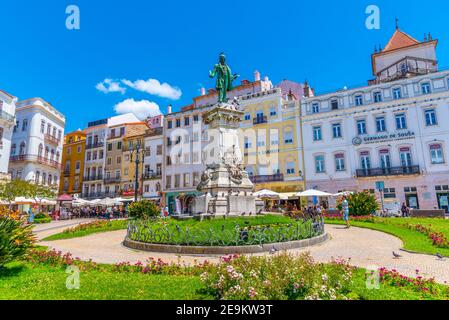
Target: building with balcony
[152, 172]
[73, 156]
[96, 182]
[7, 122]
[37, 142]
[390, 131]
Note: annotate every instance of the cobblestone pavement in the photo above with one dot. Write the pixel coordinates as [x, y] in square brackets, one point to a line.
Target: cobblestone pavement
[366, 248]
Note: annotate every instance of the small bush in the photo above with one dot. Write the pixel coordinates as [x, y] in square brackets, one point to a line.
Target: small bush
[281, 277]
[16, 239]
[143, 209]
[361, 204]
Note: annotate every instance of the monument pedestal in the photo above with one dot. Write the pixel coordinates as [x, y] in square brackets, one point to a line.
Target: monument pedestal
[226, 185]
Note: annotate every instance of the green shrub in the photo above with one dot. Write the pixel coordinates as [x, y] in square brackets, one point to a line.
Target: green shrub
[361, 204]
[143, 209]
[16, 239]
[280, 277]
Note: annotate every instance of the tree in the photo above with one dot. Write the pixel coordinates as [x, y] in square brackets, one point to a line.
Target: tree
[361, 204]
[39, 192]
[143, 209]
[10, 190]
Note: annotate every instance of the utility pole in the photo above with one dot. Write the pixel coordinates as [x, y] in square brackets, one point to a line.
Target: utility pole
[139, 157]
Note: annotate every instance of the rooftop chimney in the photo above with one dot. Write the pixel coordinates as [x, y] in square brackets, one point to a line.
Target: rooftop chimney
[256, 75]
[203, 91]
[169, 109]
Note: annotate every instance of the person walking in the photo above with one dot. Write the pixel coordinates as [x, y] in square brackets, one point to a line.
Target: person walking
[404, 210]
[345, 211]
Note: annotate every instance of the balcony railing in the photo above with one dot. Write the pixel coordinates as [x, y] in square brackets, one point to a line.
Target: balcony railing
[259, 120]
[112, 179]
[93, 177]
[267, 178]
[93, 195]
[155, 132]
[51, 139]
[114, 136]
[7, 117]
[152, 176]
[32, 158]
[392, 171]
[95, 145]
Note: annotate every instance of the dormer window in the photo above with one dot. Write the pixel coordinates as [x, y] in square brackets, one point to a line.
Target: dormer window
[334, 104]
[377, 96]
[358, 99]
[425, 88]
[315, 108]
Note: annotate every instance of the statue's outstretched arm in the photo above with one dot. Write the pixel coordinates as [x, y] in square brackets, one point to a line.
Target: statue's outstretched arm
[212, 73]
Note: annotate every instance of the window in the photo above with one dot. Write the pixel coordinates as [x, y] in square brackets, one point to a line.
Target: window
[195, 137]
[16, 126]
[274, 138]
[358, 99]
[177, 180]
[186, 121]
[365, 160]
[119, 145]
[361, 127]
[196, 118]
[315, 108]
[186, 179]
[169, 124]
[122, 131]
[24, 125]
[88, 156]
[401, 122]
[436, 154]
[37, 177]
[42, 126]
[159, 150]
[109, 161]
[377, 96]
[196, 179]
[317, 133]
[126, 157]
[319, 164]
[290, 167]
[109, 146]
[425, 88]
[288, 137]
[340, 162]
[40, 150]
[22, 149]
[261, 140]
[168, 159]
[334, 104]
[100, 154]
[147, 188]
[431, 117]
[168, 182]
[380, 124]
[397, 93]
[336, 130]
[178, 123]
[78, 149]
[77, 165]
[273, 111]
[119, 160]
[389, 193]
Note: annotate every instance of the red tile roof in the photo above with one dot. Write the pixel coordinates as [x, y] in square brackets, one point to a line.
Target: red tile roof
[400, 40]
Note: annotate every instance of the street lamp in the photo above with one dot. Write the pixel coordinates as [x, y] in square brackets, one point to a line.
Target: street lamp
[139, 158]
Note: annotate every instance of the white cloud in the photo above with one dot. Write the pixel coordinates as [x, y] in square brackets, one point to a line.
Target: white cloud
[109, 85]
[142, 109]
[154, 87]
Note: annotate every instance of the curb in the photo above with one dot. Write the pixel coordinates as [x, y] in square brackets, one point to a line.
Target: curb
[205, 250]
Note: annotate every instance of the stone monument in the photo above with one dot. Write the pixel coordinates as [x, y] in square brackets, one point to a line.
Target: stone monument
[226, 187]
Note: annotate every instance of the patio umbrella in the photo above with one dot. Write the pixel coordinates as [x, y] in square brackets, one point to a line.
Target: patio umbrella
[343, 193]
[23, 200]
[47, 202]
[313, 193]
[266, 194]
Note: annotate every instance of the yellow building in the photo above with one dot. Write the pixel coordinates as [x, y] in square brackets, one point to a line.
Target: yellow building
[134, 136]
[73, 163]
[272, 143]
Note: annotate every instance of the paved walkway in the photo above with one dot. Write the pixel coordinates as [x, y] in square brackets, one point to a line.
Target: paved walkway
[366, 248]
[47, 229]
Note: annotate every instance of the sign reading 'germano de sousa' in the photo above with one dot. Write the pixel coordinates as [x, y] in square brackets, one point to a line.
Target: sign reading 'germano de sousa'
[383, 137]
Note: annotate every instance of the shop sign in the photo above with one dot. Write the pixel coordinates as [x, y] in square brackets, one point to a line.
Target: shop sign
[383, 137]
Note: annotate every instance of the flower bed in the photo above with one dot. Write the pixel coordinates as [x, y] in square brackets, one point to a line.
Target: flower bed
[339, 217]
[438, 238]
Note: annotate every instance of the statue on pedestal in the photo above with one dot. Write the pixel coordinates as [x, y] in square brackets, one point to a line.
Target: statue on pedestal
[224, 78]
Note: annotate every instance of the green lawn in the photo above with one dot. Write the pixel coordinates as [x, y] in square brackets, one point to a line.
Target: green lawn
[413, 240]
[20, 280]
[104, 227]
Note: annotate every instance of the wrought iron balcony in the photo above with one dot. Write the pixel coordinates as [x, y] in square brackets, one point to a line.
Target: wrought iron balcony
[151, 176]
[391, 171]
[154, 132]
[260, 120]
[51, 139]
[38, 159]
[267, 178]
[112, 179]
[95, 145]
[94, 177]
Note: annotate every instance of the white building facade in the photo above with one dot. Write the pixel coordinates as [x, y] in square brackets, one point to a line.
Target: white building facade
[392, 132]
[152, 174]
[7, 122]
[37, 143]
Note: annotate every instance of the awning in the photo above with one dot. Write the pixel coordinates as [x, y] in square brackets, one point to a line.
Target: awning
[288, 195]
[313, 193]
[65, 197]
[266, 194]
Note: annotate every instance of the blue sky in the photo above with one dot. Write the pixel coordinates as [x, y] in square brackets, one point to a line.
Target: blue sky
[177, 42]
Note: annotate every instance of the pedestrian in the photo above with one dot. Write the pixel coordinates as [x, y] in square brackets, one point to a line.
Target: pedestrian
[345, 211]
[404, 210]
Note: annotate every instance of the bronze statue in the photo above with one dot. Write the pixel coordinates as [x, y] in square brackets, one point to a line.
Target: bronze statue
[224, 78]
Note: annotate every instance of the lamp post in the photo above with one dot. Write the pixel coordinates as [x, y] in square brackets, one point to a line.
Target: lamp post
[139, 158]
